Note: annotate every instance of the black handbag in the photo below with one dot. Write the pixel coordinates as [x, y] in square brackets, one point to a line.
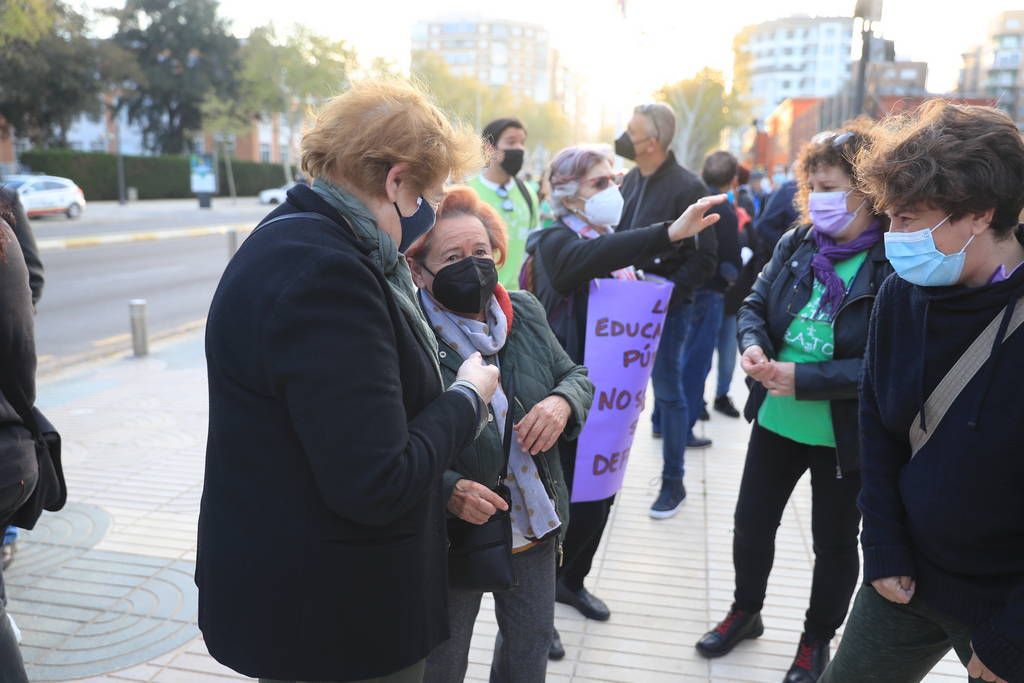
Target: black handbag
[51, 491]
[480, 555]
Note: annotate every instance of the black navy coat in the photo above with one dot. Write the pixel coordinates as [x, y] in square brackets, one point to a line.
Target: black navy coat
[322, 548]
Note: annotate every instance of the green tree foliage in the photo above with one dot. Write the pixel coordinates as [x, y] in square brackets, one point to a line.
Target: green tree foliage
[467, 99]
[703, 110]
[46, 82]
[288, 77]
[25, 21]
[184, 52]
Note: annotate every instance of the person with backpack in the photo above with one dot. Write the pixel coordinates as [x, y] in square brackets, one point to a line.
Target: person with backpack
[580, 246]
[802, 333]
[515, 200]
[941, 405]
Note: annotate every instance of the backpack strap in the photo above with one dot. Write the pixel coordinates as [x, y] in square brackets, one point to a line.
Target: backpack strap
[525, 191]
[963, 371]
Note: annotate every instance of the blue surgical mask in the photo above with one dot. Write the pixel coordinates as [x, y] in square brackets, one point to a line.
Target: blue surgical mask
[416, 225]
[917, 260]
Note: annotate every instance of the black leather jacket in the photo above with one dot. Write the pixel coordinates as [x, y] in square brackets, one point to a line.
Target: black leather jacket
[783, 289]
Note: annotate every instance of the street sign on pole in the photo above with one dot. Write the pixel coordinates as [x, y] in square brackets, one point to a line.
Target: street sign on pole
[203, 178]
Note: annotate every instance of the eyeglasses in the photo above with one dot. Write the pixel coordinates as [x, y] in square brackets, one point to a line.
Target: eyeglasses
[601, 182]
[842, 138]
[506, 202]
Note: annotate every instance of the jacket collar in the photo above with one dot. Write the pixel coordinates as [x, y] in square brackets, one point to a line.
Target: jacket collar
[302, 198]
[450, 358]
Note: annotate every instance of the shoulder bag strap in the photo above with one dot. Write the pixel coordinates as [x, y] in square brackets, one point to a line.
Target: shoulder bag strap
[523, 190]
[963, 371]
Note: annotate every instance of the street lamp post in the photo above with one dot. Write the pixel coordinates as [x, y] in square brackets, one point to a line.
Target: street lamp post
[868, 11]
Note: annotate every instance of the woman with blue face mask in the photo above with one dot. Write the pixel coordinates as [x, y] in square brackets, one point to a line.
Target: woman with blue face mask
[802, 333]
[941, 405]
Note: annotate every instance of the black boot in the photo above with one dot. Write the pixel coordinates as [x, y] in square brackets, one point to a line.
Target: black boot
[736, 627]
[811, 659]
[556, 651]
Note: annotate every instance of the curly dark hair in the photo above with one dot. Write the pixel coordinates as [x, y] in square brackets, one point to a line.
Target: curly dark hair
[841, 150]
[957, 158]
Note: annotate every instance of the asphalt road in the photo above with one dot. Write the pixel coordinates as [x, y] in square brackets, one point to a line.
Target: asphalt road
[110, 217]
[84, 309]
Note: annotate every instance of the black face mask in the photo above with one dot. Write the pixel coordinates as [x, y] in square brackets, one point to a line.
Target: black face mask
[512, 163]
[624, 147]
[465, 286]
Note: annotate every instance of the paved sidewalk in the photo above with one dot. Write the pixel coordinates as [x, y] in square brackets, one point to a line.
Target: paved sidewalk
[103, 590]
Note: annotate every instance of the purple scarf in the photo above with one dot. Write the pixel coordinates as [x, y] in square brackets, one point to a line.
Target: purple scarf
[829, 253]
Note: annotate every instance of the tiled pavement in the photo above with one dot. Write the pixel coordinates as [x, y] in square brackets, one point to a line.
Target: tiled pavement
[103, 590]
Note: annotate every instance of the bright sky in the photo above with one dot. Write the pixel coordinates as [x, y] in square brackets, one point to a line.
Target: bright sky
[661, 41]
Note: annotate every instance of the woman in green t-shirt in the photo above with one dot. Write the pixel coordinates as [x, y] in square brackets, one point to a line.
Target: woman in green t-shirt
[802, 333]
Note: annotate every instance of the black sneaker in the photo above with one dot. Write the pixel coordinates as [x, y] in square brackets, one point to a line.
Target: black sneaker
[556, 651]
[724, 405]
[669, 500]
[812, 657]
[730, 632]
[588, 604]
[698, 442]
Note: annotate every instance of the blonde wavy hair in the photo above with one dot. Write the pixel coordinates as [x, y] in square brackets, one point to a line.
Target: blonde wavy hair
[359, 135]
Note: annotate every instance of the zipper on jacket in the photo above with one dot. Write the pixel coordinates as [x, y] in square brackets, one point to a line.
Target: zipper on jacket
[843, 307]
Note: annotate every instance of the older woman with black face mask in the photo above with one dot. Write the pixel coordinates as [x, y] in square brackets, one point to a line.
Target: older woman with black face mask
[548, 395]
[580, 246]
[331, 425]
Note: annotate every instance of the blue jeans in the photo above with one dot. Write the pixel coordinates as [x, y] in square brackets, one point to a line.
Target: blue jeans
[699, 349]
[728, 350]
[670, 416]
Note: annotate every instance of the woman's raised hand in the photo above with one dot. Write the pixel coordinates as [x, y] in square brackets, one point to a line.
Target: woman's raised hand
[695, 218]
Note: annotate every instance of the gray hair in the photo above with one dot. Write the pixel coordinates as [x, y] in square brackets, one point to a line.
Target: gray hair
[663, 122]
[567, 169]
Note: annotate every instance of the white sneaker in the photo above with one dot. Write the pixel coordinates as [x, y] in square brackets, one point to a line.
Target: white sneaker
[14, 626]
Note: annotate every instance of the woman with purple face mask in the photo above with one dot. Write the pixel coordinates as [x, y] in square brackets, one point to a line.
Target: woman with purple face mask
[802, 334]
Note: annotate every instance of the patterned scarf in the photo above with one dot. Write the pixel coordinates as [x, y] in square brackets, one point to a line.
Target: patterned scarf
[533, 513]
[588, 232]
[385, 255]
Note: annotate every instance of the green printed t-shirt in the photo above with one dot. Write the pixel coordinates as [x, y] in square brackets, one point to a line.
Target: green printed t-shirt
[517, 221]
[809, 339]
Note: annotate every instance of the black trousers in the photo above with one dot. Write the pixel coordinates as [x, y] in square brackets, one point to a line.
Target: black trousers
[586, 526]
[773, 467]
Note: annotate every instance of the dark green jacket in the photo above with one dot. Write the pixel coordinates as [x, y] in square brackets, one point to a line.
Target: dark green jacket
[541, 368]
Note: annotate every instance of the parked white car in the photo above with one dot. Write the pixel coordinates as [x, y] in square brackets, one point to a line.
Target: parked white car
[43, 195]
[274, 195]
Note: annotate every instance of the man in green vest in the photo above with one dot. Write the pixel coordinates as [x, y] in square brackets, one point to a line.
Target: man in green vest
[514, 200]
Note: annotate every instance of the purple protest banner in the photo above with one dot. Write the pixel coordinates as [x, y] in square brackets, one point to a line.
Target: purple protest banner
[624, 323]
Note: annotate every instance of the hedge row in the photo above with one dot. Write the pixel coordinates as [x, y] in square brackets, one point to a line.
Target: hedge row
[157, 177]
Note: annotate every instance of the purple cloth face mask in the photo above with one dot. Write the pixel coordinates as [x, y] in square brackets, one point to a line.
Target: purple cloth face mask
[829, 214]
